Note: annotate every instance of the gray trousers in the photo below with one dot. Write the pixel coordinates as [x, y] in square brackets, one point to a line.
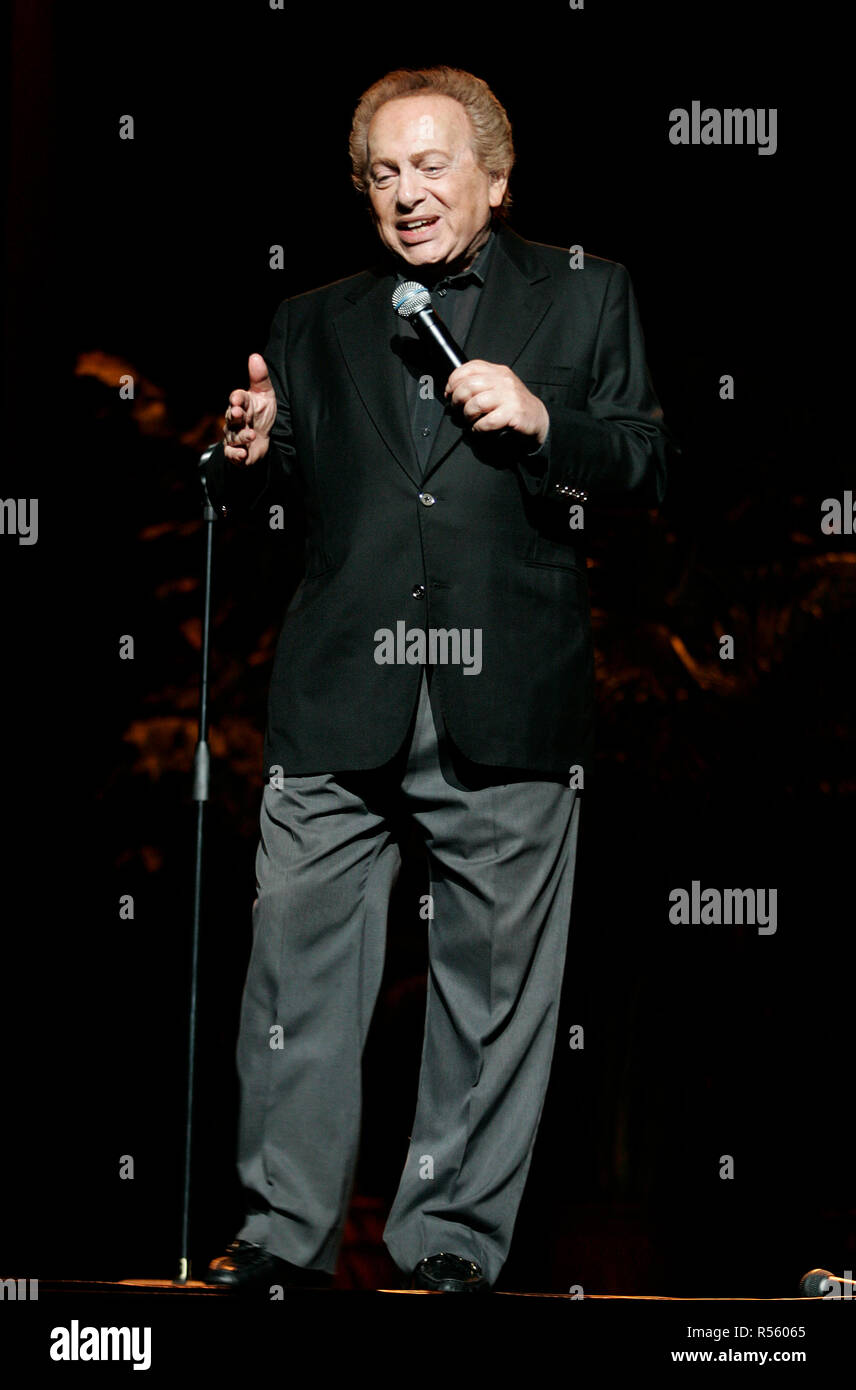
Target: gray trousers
[501, 864]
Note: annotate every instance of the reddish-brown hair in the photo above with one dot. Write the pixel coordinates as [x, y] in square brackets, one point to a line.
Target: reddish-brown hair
[492, 142]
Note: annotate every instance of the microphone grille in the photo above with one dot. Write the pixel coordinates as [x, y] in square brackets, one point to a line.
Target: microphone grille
[817, 1283]
[410, 298]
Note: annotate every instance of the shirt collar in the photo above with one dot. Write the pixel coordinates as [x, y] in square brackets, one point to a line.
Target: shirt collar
[476, 271]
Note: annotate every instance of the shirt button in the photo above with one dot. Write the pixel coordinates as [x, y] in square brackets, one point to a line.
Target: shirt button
[426, 430]
[418, 591]
[426, 499]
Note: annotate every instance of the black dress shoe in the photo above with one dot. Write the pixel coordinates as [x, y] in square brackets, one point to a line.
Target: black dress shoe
[247, 1268]
[445, 1273]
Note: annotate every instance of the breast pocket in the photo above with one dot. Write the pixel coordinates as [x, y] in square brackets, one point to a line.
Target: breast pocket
[552, 382]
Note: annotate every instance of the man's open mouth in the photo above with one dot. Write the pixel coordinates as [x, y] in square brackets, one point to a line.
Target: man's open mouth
[415, 224]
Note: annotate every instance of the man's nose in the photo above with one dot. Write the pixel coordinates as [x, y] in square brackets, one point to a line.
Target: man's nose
[410, 190]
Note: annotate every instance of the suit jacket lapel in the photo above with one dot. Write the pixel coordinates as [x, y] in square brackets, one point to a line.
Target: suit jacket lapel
[365, 333]
[512, 303]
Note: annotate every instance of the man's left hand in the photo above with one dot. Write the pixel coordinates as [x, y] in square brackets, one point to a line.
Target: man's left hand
[493, 398]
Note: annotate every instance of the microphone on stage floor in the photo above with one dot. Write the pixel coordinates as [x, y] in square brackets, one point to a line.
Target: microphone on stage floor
[412, 301]
[819, 1283]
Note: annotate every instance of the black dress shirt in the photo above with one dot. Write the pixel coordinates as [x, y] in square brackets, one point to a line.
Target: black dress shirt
[454, 299]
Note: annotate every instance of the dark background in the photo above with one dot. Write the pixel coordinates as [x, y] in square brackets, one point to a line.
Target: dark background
[152, 256]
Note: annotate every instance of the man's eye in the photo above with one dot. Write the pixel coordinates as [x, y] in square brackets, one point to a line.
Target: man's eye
[382, 178]
[433, 168]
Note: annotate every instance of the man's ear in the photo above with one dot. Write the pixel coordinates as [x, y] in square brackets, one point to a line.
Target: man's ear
[498, 185]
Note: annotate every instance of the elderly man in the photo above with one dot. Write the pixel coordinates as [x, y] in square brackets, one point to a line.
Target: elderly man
[438, 504]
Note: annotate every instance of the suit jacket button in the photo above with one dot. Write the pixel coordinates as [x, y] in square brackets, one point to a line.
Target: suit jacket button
[418, 591]
[426, 499]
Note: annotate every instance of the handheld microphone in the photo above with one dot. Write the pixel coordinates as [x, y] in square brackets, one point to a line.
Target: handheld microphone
[819, 1283]
[412, 301]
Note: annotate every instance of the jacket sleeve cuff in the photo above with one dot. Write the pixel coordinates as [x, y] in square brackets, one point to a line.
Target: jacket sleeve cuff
[533, 467]
[614, 452]
[620, 462]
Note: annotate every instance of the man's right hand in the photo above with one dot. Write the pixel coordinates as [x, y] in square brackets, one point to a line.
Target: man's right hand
[250, 416]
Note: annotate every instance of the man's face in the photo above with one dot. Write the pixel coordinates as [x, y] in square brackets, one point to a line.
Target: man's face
[430, 199]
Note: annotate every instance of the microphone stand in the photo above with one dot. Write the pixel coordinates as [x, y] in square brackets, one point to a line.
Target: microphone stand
[201, 771]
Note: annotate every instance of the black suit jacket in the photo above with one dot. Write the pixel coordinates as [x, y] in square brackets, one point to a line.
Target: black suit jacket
[493, 552]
